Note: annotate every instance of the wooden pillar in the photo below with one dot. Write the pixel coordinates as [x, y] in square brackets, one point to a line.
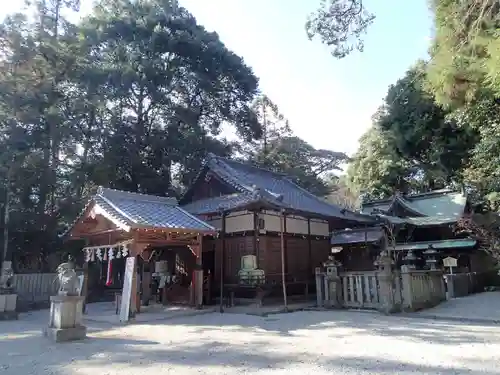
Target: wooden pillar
[85, 286]
[283, 259]
[256, 236]
[196, 292]
[309, 251]
[135, 302]
[222, 260]
[199, 274]
[146, 276]
[285, 243]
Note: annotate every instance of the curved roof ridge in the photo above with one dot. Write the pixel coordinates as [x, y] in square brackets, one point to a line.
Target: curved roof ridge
[109, 194]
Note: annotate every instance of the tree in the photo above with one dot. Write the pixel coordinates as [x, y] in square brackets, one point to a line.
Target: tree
[423, 134]
[274, 126]
[170, 85]
[307, 165]
[413, 146]
[464, 76]
[341, 194]
[484, 228]
[465, 54]
[482, 173]
[377, 170]
[132, 98]
[340, 25]
[281, 151]
[37, 56]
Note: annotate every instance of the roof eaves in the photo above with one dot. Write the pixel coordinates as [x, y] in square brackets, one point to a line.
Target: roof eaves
[111, 194]
[113, 218]
[378, 202]
[407, 207]
[203, 169]
[216, 168]
[431, 194]
[80, 215]
[131, 222]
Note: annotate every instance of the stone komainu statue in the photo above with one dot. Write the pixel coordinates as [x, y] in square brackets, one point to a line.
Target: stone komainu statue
[68, 280]
[6, 278]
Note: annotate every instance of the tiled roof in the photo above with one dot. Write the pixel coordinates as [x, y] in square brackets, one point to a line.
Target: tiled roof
[344, 237]
[433, 208]
[228, 202]
[245, 178]
[133, 210]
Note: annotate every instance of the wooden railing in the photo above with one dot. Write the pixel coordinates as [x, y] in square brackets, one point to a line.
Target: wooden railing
[359, 289]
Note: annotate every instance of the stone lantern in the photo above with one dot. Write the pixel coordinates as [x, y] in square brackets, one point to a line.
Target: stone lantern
[431, 257]
[409, 261]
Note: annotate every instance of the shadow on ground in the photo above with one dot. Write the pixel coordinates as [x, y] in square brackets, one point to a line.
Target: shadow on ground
[429, 331]
[22, 348]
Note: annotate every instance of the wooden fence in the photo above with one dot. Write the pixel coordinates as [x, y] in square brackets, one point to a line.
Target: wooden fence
[407, 290]
[359, 289]
[35, 289]
[422, 289]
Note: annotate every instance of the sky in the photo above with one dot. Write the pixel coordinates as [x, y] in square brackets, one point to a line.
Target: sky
[328, 102]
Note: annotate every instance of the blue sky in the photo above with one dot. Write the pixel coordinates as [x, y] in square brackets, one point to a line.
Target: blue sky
[329, 102]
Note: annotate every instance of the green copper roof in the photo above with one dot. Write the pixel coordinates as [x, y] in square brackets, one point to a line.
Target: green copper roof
[438, 203]
[438, 245]
[437, 207]
[420, 221]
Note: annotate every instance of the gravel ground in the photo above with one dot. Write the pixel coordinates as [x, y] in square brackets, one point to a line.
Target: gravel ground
[480, 307]
[297, 343]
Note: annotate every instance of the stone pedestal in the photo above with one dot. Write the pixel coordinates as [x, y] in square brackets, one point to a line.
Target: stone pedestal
[65, 322]
[8, 302]
[385, 277]
[332, 284]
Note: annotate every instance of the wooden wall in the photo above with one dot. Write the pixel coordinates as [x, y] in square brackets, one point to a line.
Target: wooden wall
[270, 221]
[300, 263]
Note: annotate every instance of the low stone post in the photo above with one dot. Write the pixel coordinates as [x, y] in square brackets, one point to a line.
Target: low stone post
[332, 280]
[385, 277]
[66, 309]
[319, 286]
[450, 285]
[407, 289]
